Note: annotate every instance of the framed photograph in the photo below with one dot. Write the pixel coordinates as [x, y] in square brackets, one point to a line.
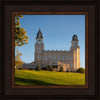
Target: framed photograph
[50, 50]
[63, 67]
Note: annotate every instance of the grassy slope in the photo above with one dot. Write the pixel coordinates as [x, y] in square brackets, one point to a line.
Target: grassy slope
[26, 77]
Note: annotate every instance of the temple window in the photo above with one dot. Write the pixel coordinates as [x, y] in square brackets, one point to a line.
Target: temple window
[70, 57]
[67, 57]
[71, 64]
[63, 57]
[54, 57]
[45, 57]
[58, 57]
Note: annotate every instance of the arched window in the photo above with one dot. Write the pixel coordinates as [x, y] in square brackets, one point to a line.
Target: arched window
[71, 64]
[67, 57]
[75, 44]
[39, 42]
[70, 57]
[49, 56]
[54, 57]
[63, 57]
[40, 57]
[45, 57]
[58, 57]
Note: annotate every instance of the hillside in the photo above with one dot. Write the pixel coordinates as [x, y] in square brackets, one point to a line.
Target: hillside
[31, 77]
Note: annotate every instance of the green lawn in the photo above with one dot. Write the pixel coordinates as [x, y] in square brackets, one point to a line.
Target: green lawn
[31, 77]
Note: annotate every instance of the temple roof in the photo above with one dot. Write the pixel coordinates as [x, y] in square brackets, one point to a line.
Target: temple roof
[74, 38]
[39, 34]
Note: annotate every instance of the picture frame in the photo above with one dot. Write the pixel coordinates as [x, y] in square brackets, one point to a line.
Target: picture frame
[92, 91]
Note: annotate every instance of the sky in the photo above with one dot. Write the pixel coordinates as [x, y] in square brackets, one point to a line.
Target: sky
[57, 32]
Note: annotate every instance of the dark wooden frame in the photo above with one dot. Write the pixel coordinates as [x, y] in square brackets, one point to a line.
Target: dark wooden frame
[93, 90]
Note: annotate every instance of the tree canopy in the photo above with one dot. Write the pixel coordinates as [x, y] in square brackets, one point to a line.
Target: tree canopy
[20, 34]
[38, 68]
[61, 69]
[81, 70]
[18, 59]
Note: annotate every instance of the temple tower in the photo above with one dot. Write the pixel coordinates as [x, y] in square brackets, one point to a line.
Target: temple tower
[39, 46]
[76, 52]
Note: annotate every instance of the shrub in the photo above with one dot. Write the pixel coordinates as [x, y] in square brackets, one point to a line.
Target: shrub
[47, 68]
[81, 70]
[38, 68]
[19, 68]
[51, 68]
[67, 70]
[29, 68]
[61, 69]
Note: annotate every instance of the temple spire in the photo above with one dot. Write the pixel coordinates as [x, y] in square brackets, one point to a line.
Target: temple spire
[39, 34]
[74, 38]
[39, 31]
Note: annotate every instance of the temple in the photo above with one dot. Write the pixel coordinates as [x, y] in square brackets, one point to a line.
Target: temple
[69, 60]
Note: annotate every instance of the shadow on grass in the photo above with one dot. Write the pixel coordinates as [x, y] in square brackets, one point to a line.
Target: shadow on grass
[31, 81]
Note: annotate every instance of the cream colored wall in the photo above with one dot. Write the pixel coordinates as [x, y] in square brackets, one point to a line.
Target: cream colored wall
[53, 57]
[65, 63]
[55, 60]
[76, 54]
[78, 58]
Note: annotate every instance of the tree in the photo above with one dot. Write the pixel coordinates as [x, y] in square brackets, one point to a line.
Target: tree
[20, 34]
[51, 68]
[18, 59]
[67, 70]
[81, 70]
[38, 68]
[47, 68]
[61, 69]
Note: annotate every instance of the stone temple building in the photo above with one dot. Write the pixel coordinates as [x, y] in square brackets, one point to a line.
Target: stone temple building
[67, 59]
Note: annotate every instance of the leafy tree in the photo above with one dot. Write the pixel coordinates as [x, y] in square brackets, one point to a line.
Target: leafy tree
[20, 34]
[67, 70]
[30, 69]
[61, 69]
[51, 68]
[18, 59]
[38, 68]
[81, 70]
[47, 68]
